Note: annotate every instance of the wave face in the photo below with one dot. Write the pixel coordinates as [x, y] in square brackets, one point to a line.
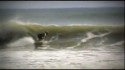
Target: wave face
[90, 40]
[65, 37]
[9, 34]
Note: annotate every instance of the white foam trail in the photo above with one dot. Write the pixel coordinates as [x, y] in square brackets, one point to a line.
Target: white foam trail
[53, 38]
[23, 42]
[117, 43]
[90, 35]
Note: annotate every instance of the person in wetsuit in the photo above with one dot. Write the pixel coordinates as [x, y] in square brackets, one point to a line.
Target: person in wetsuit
[40, 36]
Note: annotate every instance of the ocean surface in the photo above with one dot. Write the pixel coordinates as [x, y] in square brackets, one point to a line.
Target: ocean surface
[66, 16]
[70, 44]
[90, 50]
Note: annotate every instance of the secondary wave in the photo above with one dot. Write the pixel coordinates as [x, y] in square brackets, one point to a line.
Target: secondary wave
[90, 36]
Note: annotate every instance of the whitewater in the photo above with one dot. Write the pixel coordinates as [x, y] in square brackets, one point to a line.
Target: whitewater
[21, 54]
[79, 38]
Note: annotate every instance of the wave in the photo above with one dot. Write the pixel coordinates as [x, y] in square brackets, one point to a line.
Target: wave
[90, 36]
[91, 40]
[63, 36]
[17, 20]
[22, 41]
[117, 43]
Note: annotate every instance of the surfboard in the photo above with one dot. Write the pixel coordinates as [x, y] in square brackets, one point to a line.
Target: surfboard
[38, 44]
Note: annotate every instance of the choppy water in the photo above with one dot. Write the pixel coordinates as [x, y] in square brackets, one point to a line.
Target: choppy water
[88, 40]
[86, 52]
[65, 48]
[62, 59]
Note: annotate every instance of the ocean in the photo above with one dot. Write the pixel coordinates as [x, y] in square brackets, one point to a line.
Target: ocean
[89, 38]
[66, 16]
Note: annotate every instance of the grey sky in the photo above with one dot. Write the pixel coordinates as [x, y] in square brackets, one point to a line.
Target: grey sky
[59, 4]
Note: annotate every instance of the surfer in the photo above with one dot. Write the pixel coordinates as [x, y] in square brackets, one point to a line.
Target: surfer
[40, 38]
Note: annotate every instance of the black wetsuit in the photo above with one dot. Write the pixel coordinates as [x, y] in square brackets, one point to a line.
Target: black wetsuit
[41, 36]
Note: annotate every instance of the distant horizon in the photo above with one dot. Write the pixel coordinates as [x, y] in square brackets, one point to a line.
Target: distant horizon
[58, 4]
[63, 12]
[51, 24]
[60, 8]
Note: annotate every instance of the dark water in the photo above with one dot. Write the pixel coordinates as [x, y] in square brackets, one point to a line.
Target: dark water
[82, 41]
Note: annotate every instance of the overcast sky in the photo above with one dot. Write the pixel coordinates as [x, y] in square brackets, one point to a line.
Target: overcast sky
[58, 4]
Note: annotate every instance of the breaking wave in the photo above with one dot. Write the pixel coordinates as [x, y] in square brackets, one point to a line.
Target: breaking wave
[91, 40]
[89, 37]
[65, 37]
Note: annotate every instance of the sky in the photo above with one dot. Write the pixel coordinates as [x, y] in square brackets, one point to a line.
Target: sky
[58, 4]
